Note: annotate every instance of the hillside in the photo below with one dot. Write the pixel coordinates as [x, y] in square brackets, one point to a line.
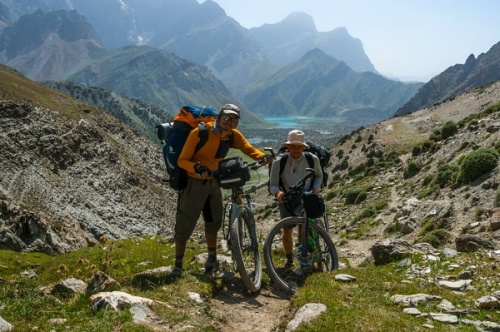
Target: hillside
[73, 175]
[412, 177]
[69, 164]
[133, 112]
[159, 78]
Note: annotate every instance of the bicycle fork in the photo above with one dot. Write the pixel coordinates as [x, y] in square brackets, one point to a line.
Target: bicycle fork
[306, 250]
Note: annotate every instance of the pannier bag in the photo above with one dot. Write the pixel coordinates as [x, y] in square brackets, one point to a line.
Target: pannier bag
[313, 204]
[232, 172]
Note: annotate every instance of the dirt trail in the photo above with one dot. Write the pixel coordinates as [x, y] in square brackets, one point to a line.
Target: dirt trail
[240, 311]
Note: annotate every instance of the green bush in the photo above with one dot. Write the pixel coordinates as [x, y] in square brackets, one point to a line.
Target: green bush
[361, 197]
[491, 109]
[412, 169]
[428, 146]
[351, 196]
[344, 164]
[477, 163]
[436, 238]
[449, 129]
[330, 195]
[446, 175]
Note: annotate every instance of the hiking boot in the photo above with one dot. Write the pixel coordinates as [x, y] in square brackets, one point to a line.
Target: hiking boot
[211, 266]
[175, 273]
[289, 264]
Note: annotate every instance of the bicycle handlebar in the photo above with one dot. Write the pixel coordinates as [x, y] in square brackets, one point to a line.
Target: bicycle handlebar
[299, 186]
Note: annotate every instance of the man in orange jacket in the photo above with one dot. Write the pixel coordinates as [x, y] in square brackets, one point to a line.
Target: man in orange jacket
[202, 193]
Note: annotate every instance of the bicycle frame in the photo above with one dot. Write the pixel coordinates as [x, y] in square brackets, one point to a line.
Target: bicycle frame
[242, 236]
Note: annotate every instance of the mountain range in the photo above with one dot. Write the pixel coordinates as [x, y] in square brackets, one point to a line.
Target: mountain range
[321, 86]
[237, 56]
[146, 50]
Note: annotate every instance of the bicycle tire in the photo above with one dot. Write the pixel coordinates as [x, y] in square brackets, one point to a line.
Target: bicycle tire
[245, 250]
[290, 279]
[226, 221]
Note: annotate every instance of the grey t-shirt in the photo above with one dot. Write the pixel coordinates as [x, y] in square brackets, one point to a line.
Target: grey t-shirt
[294, 170]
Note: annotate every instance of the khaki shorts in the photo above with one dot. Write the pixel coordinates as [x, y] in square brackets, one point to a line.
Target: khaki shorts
[199, 196]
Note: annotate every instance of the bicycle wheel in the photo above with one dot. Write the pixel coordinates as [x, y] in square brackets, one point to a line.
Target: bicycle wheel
[318, 256]
[245, 250]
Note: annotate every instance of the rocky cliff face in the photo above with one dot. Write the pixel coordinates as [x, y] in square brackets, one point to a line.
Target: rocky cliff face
[75, 167]
[288, 40]
[475, 72]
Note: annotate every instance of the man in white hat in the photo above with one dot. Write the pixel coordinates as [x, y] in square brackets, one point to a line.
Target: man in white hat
[282, 179]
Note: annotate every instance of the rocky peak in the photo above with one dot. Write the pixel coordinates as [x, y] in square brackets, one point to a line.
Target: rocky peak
[32, 30]
[457, 79]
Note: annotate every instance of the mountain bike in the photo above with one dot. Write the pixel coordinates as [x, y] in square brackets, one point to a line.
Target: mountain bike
[314, 250]
[241, 235]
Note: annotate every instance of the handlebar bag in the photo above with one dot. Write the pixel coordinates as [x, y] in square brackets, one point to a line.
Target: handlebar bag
[313, 204]
[232, 172]
[293, 203]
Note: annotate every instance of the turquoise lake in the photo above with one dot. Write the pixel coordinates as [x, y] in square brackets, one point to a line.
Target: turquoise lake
[287, 121]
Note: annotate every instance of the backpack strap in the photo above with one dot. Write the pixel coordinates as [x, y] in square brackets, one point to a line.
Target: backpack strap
[284, 158]
[203, 135]
[309, 158]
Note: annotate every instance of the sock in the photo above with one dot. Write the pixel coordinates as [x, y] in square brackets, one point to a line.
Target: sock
[289, 258]
[178, 261]
[212, 254]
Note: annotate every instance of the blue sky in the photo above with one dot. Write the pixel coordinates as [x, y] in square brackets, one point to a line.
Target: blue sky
[408, 39]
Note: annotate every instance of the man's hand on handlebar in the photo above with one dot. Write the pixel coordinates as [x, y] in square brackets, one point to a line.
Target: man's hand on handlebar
[267, 159]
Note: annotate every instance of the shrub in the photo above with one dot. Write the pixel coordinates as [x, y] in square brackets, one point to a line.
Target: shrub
[344, 165]
[491, 109]
[412, 169]
[351, 196]
[446, 175]
[361, 197]
[449, 129]
[331, 194]
[477, 163]
[417, 149]
[428, 146]
[436, 238]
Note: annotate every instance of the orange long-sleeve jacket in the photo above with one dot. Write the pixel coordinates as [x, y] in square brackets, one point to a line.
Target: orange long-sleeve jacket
[206, 156]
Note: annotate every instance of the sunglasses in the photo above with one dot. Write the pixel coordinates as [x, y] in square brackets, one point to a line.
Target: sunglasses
[227, 118]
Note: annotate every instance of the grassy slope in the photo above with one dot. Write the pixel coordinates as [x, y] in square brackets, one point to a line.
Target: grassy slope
[363, 304]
